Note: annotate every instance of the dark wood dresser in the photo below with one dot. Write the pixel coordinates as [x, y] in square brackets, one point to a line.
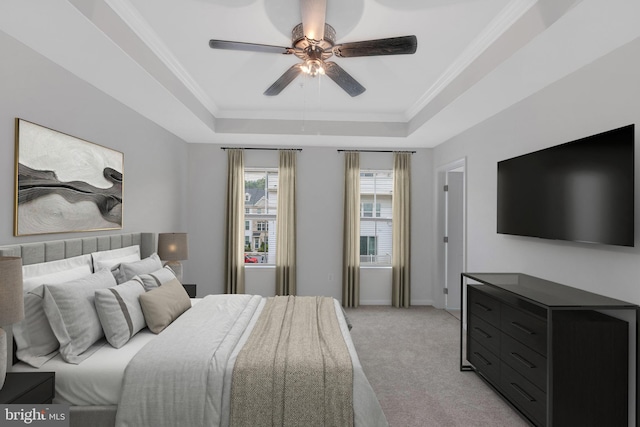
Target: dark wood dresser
[548, 350]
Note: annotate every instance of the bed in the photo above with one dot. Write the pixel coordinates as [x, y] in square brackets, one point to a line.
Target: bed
[197, 364]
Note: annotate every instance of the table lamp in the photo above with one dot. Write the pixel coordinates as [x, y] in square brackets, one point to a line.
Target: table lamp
[11, 304]
[173, 248]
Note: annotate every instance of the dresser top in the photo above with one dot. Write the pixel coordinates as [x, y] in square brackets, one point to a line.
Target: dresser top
[545, 292]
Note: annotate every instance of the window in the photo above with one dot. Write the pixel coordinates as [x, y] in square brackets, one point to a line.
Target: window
[366, 210]
[247, 225]
[261, 188]
[368, 245]
[376, 192]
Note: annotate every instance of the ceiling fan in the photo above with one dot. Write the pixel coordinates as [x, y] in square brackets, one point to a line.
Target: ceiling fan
[313, 41]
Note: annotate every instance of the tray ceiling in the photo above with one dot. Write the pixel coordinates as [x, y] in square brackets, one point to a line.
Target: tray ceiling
[474, 59]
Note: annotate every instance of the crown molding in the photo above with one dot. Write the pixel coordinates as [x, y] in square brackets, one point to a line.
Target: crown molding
[508, 16]
[134, 20]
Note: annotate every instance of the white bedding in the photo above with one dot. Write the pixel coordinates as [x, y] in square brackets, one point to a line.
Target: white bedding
[197, 373]
[97, 381]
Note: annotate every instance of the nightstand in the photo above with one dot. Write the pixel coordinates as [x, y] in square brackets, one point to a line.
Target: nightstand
[191, 289]
[28, 387]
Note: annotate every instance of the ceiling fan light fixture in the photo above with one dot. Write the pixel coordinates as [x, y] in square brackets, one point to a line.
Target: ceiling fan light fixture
[300, 41]
[313, 67]
[314, 47]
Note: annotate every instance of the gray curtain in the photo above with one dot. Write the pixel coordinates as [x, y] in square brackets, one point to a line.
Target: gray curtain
[401, 212]
[286, 225]
[351, 231]
[234, 223]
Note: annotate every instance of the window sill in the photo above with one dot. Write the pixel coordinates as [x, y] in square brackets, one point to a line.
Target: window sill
[373, 267]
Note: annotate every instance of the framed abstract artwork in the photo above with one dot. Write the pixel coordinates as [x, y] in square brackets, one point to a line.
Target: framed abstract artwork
[64, 184]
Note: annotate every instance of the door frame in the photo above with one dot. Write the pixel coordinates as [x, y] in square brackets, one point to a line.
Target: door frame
[439, 296]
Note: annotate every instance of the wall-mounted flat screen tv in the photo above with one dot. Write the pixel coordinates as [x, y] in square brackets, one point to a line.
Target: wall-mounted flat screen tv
[581, 191]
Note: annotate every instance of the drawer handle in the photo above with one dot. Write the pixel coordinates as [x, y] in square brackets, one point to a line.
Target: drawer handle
[482, 359]
[522, 360]
[523, 329]
[481, 332]
[482, 306]
[522, 392]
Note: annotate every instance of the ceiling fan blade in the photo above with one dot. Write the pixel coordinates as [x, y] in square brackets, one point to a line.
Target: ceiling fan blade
[250, 47]
[313, 18]
[343, 79]
[284, 80]
[392, 46]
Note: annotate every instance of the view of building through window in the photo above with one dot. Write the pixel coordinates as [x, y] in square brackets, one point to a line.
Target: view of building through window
[261, 203]
[376, 191]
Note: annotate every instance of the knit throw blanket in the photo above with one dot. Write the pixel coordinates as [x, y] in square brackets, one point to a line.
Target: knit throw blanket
[295, 369]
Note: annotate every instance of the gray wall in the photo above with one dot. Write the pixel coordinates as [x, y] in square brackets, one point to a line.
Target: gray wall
[174, 186]
[602, 96]
[155, 170]
[320, 192]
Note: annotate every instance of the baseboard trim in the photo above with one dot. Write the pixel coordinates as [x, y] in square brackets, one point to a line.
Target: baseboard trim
[375, 302]
[422, 302]
[388, 302]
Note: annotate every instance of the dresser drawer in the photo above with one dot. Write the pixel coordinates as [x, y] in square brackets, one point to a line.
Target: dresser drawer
[529, 398]
[483, 306]
[484, 361]
[525, 328]
[525, 361]
[484, 333]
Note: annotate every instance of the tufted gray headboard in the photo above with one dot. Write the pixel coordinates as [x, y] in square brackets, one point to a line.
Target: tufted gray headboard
[34, 253]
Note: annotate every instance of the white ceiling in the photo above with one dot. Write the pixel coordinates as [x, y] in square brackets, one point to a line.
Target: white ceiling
[474, 59]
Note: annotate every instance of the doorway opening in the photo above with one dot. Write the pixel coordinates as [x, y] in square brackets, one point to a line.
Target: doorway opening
[451, 234]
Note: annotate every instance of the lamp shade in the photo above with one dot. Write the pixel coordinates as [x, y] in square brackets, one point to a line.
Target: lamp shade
[173, 246]
[11, 298]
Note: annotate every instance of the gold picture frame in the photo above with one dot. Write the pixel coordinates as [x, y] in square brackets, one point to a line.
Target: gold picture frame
[64, 184]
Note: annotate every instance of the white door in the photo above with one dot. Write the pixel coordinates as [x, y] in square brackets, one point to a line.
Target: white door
[454, 237]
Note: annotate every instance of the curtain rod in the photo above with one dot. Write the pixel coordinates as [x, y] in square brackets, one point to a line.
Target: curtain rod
[258, 148]
[378, 151]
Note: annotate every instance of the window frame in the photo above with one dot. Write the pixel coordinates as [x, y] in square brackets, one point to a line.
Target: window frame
[374, 200]
[260, 217]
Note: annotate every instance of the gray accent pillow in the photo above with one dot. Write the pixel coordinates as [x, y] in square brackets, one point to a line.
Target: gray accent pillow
[163, 305]
[157, 278]
[128, 270]
[119, 312]
[72, 314]
[34, 338]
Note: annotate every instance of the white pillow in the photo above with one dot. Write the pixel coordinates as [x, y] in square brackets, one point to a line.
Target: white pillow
[113, 257]
[128, 270]
[72, 314]
[157, 278]
[119, 311]
[34, 338]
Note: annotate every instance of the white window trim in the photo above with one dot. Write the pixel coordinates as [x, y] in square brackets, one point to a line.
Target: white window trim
[261, 216]
[369, 173]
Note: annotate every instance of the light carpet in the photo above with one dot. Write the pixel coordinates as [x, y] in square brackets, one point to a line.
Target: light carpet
[411, 357]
